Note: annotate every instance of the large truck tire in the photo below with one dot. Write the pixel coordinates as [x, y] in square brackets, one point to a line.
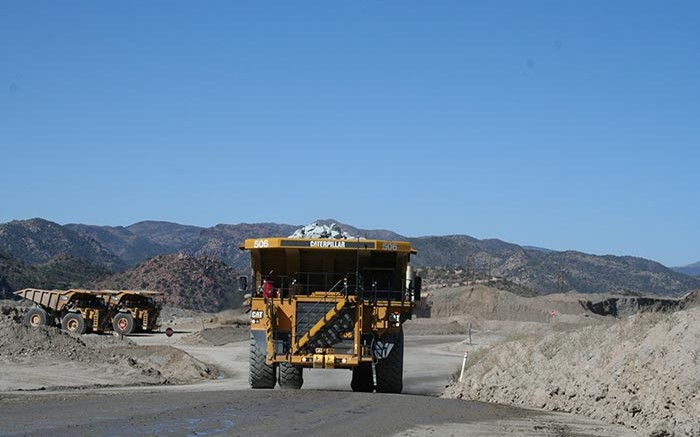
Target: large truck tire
[362, 378]
[390, 369]
[36, 317]
[261, 374]
[123, 323]
[291, 376]
[74, 323]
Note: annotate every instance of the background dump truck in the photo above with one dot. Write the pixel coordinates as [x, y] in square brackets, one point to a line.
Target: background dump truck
[329, 303]
[133, 311]
[80, 311]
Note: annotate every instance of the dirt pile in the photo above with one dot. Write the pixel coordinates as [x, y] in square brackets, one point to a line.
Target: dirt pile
[218, 336]
[443, 326]
[167, 364]
[20, 345]
[10, 313]
[487, 303]
[641, 372]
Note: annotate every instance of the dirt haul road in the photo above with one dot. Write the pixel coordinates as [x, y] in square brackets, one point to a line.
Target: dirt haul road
[227, 407]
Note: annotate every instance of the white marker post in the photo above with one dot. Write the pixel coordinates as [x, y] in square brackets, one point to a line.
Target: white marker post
[464, 364]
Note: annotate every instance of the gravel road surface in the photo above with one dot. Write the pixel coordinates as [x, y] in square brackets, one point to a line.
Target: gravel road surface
[325, 405]
[276, 413]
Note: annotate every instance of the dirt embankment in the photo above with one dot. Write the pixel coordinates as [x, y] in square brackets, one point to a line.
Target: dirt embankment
[627, 305]
[48, 357]
[641, 372]
[486, 303]
[218, 336]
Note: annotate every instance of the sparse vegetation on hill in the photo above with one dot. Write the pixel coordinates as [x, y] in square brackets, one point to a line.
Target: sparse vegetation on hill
[130, 248]
[198, 283]
[38, 241]
[551, 271]
[222, 241]
[61, 272]
[446, 276]
[172, 235]
[65, 271]
[690, 269]
[13, 274]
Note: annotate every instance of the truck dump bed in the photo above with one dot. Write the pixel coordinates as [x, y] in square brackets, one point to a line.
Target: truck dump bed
[78, 310]
[53, 299]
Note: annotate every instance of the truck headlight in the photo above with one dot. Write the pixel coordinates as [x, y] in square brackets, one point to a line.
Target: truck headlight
[395, 319]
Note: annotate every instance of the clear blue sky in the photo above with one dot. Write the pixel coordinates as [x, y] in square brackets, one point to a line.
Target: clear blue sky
[568, 125]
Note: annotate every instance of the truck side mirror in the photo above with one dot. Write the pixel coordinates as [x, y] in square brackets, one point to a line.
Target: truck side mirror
[417, 284]
[242, 283]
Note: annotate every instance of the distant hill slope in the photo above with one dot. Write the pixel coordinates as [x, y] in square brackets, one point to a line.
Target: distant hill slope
[61, 272]
[222, 241]
[65, 271]
[140, 241]
[690, 269]
[544, 271]
[551, 271]
[14, 275]
[461, 250]
[171, 235]
[37, 241]
[131, 248]
[143, 240]
[200, 283]
[584, 273]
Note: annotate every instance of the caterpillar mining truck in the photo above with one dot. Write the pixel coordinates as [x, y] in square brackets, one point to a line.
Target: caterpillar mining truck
[80, 311]
[329, 304]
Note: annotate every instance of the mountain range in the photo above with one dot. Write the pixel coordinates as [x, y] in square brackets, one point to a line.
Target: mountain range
[31, 246]
[690, 269]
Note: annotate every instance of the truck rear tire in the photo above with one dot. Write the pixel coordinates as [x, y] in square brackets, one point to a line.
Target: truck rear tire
[390, 369]
[123, 323]
[362, 378]
[261, 374]
[36, 317]
[74, 323]
[291, 376]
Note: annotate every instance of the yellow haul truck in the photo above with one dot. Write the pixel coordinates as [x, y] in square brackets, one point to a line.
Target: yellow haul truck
[329, 303]
[133, 310]
[76, 311]
[79, 311]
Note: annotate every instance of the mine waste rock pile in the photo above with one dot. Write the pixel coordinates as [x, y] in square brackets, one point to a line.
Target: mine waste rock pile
[641, 371]
[315, 230]
[627, 305]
